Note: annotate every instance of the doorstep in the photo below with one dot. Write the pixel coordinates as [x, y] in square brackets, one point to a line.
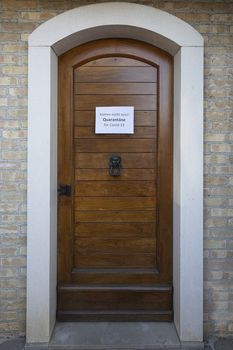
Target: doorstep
[114, 336]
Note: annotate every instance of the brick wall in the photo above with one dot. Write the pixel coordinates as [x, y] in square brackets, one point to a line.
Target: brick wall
[214, 20]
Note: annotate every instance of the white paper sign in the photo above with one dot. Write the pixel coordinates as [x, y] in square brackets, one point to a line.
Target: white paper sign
[114, 120]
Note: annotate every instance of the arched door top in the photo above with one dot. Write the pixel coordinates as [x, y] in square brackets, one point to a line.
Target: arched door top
[74, 27]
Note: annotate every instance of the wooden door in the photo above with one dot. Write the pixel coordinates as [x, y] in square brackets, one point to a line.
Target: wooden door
[115, 233]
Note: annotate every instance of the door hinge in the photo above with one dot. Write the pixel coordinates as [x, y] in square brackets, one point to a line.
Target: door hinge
[64, 190]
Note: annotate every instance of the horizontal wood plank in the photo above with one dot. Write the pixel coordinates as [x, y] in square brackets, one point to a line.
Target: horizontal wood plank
[103, 174]
[140, 102]
[115, 74]
[115, 261]
[139, 132]
[116, 188]
[141, 118]
[129, 246]
[115, 216]
[114, 203]
[101, 160]
[123, 230]
[115, 145]
[115, 88]
[110, 316]
[115, 300]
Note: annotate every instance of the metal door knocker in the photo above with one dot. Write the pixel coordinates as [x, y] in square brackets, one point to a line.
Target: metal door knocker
[115, 165]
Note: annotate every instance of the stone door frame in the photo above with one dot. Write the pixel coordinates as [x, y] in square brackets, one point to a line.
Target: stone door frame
[46, 43]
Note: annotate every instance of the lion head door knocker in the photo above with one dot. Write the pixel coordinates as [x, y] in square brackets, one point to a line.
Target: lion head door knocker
[115, 165]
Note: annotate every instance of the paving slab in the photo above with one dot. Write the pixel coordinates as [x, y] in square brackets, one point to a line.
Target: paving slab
[114, 335]
[13, 344]
[223, 344]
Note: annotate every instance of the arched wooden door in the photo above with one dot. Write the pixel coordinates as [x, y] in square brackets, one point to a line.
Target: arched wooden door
[115, 233]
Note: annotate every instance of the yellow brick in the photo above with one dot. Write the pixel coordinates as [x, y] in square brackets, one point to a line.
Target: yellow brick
[193, 16]
[17, 102]
[8, 251]
[222, 212]
[12, 70]
[3, 102]
[16, 91]
[24, 59]
[31, 16]
[21, 4]
[47, 15]
[18, 27]
[3, 91]
[9, 124]
[9, 144]
[14, 219]
[221, 148]
[14, 155]
[216, 180]
[24, 37]
[7, 81]
[214, 244]
[14, 134]
[9, 37]
[9, 326]
[18, 113]
[19, 261]
[8, 272]
[16, 48]
[221, 39]
[8, 59]
[8, 315]
[222, 17]
[8, 208]
[215, 137]
[7, 294]
[9, 14]
[210, 28]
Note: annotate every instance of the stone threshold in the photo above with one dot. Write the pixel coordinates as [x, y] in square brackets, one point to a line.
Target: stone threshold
[115, 336]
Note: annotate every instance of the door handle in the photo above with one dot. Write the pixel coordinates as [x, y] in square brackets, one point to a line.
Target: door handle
[115, 165]
[64, 190]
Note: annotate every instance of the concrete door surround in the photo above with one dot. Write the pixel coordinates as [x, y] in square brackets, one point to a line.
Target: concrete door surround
[46, 43]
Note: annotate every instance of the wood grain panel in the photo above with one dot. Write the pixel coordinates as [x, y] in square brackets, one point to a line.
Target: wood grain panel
[118, 276]
[129, 161]
[118, 299]
[103, 174]
[114, 203]
[141, 118]
[123, 230]
[115, 145]
[139, 132]
[109, 316]
[116, 188]
[115, 216]
[115, 255]
[115, 88]
[119, 246]
[115, 261]
[140, 102]
[115, 74]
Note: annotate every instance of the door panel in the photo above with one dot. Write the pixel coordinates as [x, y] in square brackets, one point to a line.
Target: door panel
[115, 238]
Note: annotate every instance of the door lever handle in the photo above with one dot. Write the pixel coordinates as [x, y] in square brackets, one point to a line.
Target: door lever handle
[64, 190]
